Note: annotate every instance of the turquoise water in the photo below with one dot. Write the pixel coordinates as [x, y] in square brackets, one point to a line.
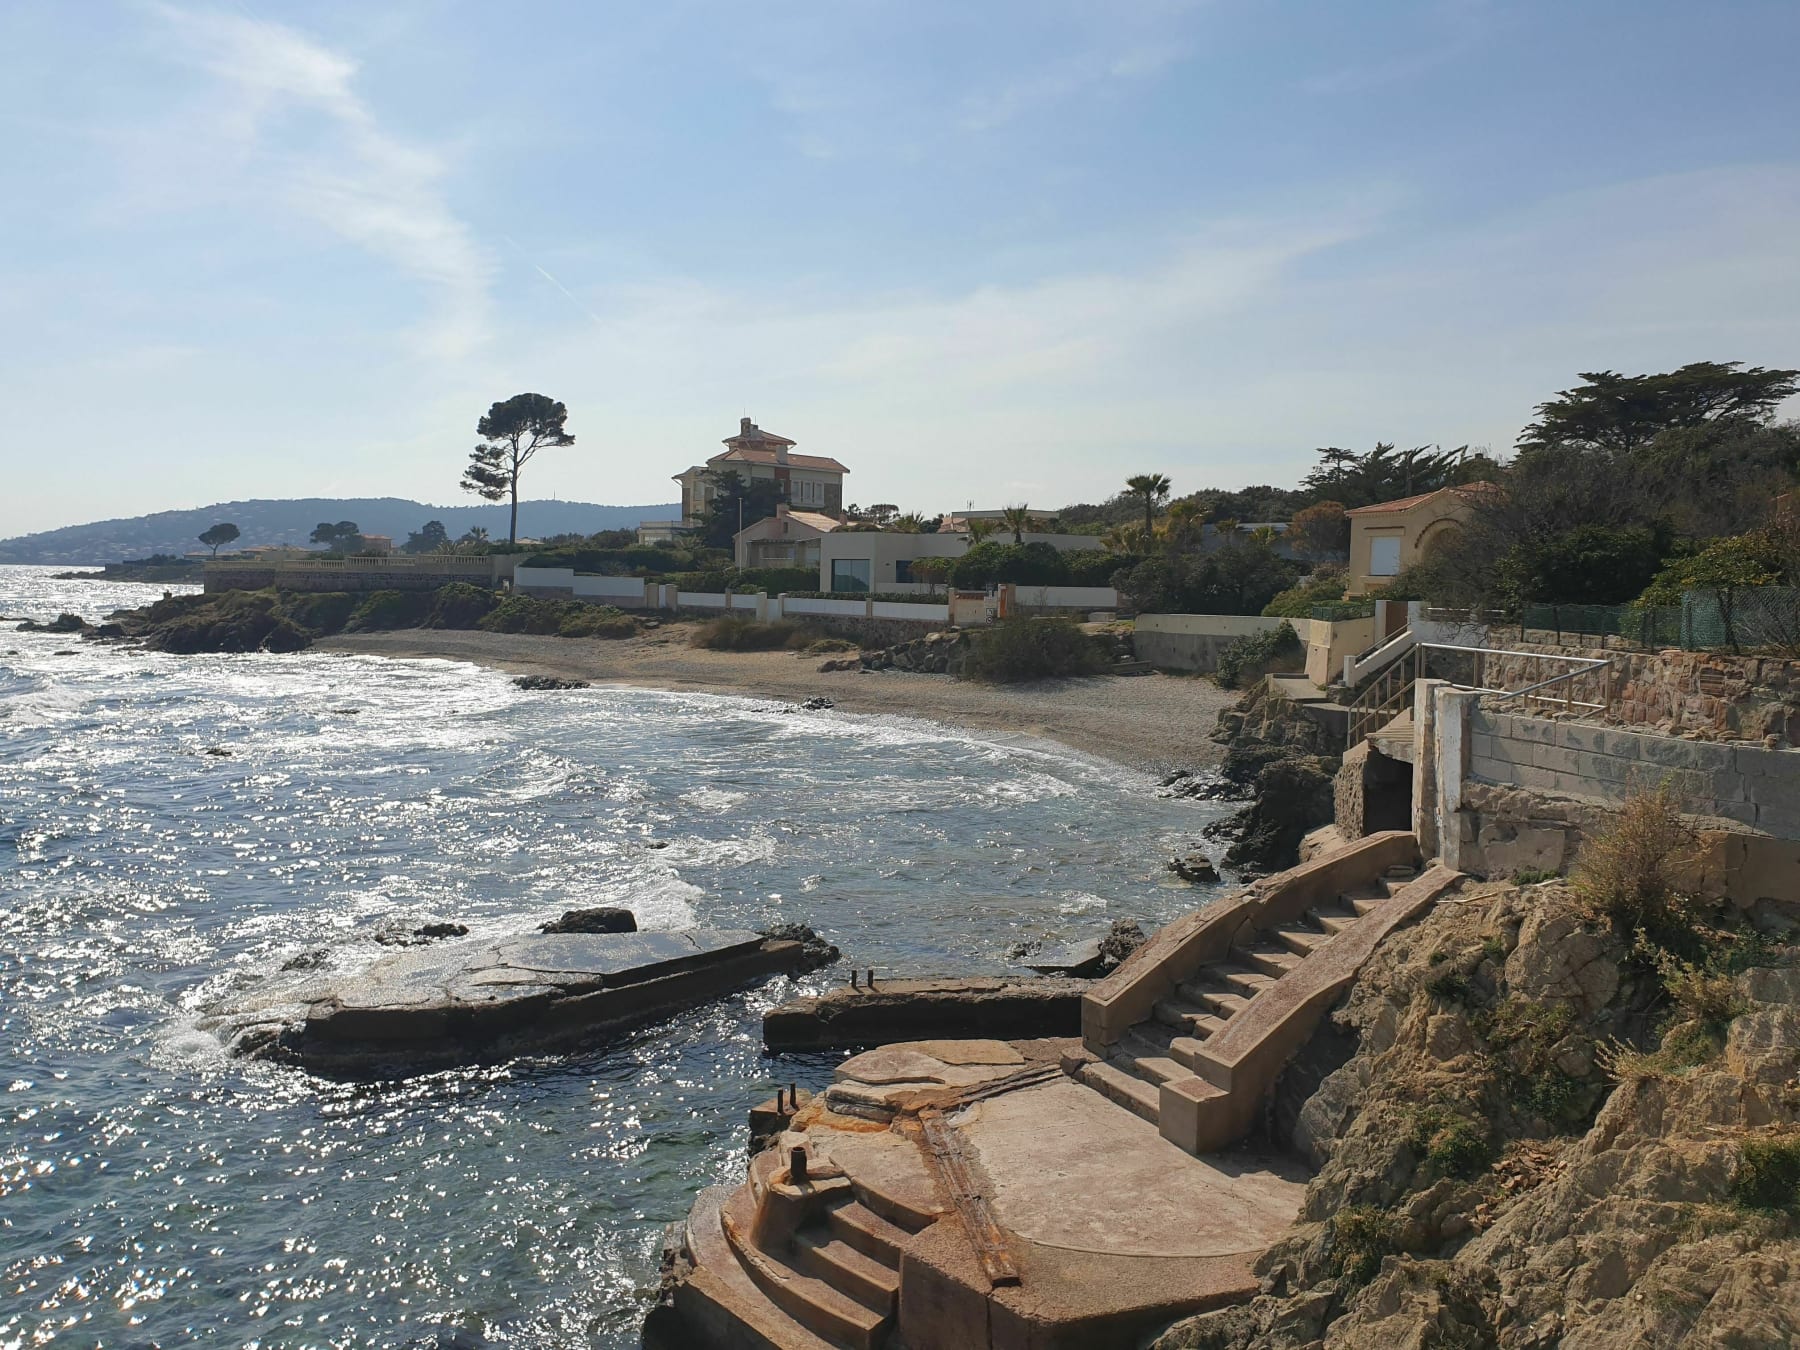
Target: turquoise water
[154, 1193]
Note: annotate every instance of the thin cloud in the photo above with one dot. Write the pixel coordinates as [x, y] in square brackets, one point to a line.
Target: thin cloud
[372, 188]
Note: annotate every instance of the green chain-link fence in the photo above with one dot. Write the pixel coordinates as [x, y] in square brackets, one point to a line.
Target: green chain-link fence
[1763, 617]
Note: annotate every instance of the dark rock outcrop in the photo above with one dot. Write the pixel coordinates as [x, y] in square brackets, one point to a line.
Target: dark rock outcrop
[1195, 867]
[62, 623]
[601, 919]
[816, 952]
[548, 682]
[944, 653]
[1283, 762]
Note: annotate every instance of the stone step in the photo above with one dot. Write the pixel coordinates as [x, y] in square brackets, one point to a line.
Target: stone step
[1365, 899]
[868, 1281]
[1159, 1069]
[1333, 921]
[731, 1295]
[1131, 668]
[1233, 978]
[858, 1226]
[1146, 1040]
[1270, 957]
[1299, 938]
[1213, 999]
[1113, 1083]
[1184, 1050]
[1188, 1019]
[813, 1303]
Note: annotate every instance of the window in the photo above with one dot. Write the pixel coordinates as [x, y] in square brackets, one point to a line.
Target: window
[903, 570]
[1384, 555]
[850, 574]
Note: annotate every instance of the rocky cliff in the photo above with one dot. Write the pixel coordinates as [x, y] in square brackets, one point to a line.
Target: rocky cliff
[1549, 1134]
[1283, 762]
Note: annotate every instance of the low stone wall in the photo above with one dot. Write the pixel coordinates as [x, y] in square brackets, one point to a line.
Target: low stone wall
[260, 578]
[870, 633]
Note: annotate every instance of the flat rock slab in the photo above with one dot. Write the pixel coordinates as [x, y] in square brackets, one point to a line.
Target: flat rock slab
[911, 1010]
[487, 998]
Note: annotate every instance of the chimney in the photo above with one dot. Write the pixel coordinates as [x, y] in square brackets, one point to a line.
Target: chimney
[780, 453]
[745, 426]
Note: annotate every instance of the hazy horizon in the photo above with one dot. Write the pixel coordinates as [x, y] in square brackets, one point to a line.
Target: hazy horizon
[1004, 253]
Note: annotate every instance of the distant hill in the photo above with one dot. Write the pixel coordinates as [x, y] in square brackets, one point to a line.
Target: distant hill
[291, 521]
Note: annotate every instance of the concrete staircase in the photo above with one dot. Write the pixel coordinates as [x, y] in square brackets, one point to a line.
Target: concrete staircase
[1192, 1032]
[1395, 738]
[809, 1265]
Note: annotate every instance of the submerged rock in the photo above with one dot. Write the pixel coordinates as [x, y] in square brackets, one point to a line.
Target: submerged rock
[817, 952]
[1195, 867]
[601, 919]
[548, 682]
[62, 623]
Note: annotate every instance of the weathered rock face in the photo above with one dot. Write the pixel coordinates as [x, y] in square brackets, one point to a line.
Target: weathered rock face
[1486, 1180]
[1283, 761]
[548, 682]
[815, 952]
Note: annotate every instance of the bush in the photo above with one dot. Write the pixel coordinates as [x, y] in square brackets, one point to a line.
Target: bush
[1767, 1175]
[1587, 565]
[1361, 1236]
[1453, 1145]
[774, 580]
[1324, 587]
[562, 618]
[459, 605]
[320, 612]
[730, 634]
[1628, 871]
[1021, 650]
[1256, 654]
[381, 611]
[634, 560]
[1240, 578]
[992, 562]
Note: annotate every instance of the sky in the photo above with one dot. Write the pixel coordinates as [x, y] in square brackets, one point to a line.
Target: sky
[1003, 252]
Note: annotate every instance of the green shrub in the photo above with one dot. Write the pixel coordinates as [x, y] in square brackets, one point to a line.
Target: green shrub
[1767, 1174]
[773, 580]
[1257, 652]
[563, 618]
[992, 562]
[1325, 586]
[460, 605]
[1451, 986]
[381, 611]
[1020, 650]
[320, 612]
[1361, 1236]
[731, 634]
[1452, 1144]
[1531, 876]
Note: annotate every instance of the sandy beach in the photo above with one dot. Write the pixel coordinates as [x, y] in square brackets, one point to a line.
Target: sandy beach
[1150, 722]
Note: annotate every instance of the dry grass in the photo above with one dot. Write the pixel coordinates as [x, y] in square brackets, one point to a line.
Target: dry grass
[1628, 872]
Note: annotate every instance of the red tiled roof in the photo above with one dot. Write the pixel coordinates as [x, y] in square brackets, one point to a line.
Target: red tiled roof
[1407, 503]
[813, 519]
[749, 456]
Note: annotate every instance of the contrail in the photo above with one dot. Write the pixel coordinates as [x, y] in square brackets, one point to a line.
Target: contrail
[572, 297]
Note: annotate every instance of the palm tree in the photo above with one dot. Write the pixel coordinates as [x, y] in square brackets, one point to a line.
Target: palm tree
[977, 530]
[1125, 539]
[1018, 520]
[1152, 487]
[910, 523]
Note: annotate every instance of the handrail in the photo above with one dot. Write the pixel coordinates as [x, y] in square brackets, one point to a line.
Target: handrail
[1384, 697]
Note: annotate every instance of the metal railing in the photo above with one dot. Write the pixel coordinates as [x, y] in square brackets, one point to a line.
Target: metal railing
[1388, 694]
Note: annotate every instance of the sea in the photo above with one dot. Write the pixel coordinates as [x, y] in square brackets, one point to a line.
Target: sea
[176, 828]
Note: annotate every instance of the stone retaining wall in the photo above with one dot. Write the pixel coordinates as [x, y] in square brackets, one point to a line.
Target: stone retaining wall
[1683, 693]
[1751, 785]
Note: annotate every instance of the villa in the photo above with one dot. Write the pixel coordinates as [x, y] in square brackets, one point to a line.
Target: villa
[1388, 537]
[813, 483]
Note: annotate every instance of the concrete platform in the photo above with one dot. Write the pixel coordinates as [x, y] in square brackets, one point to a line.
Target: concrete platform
[1029, 1212]
[482, 999]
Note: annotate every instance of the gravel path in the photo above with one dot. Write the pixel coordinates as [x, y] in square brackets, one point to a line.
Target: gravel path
[1150, 722]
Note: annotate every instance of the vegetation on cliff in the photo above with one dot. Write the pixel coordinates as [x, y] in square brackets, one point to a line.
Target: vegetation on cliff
[1571, 1117]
